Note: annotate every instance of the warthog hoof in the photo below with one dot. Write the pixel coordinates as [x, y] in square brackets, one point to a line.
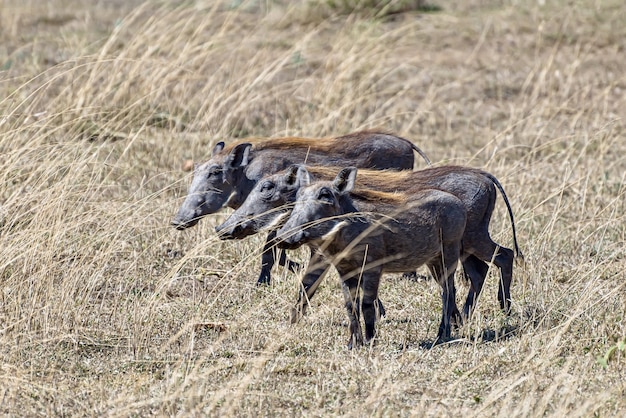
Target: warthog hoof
[263, 280]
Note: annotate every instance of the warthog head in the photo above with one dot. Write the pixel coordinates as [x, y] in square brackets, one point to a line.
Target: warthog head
[317, 213]
[212, 185]
[267, 205]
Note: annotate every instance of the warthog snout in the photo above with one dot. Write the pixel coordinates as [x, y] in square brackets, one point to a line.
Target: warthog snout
[193, 209]
[290, 240]
[183, 224]
[234, 230]
[227, 233]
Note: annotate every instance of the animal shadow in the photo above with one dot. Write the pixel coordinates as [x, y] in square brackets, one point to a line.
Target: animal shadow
[486, 335]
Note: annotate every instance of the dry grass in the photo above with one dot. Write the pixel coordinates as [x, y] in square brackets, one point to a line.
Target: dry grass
[106, 310]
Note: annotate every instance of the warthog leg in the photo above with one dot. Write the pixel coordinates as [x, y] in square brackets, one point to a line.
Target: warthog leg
[475, 270]
[444, 274]
[315, 273]
[316, 270]
[369, 283]
[268, 259]
[350, 287]
[291, 265]
[503, 258]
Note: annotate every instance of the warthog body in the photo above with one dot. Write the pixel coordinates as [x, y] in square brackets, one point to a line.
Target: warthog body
[397, 232]
[228, 177]
[271, 201]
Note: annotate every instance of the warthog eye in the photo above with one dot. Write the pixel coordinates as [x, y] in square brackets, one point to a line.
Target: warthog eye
[214, 172]
[267, 187]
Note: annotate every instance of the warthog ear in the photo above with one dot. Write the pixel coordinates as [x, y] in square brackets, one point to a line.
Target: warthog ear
[238, 157]
[298, 173]
[344, 182]
[218, 148]
[304, 179]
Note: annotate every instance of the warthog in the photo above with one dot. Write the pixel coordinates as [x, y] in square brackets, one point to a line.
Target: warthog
[269, 204]
[228, 177]
[397, 232]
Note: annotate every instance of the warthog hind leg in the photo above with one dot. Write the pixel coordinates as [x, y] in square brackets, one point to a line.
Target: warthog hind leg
[475, 270]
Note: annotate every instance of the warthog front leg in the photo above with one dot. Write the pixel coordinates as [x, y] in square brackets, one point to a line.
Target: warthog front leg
[291, 265]
[268, 259]
[315, 273]
[316, 270]
[369, 283]
[350, 289]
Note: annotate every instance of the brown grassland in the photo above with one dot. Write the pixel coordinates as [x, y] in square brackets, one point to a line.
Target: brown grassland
[106, 310]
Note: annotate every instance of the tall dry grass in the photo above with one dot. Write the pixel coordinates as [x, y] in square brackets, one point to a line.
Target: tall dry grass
[106, 310]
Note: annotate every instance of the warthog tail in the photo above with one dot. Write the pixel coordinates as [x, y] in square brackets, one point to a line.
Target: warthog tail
[518, 252]
[422, 153]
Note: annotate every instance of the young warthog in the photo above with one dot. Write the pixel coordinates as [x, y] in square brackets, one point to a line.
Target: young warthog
[269, 204]
[397, 233]
[228, 177]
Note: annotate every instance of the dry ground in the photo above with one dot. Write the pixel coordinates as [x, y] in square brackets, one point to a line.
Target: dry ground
[106, 310]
